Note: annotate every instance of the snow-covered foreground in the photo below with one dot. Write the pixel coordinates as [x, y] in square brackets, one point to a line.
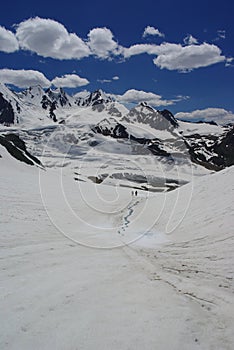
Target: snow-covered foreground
[171, 288]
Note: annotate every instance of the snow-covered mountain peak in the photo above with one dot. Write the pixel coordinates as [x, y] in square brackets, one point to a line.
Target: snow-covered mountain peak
[59, 96]
[33, 91]
[32, 107]
[95, 98]
[33, 94]
[144, 107]
[145, 114]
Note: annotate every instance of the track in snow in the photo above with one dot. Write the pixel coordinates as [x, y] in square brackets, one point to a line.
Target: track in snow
[130, 211]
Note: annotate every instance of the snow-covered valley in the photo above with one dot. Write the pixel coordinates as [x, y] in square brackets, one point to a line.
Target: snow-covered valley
[117, 233]
[77, 273]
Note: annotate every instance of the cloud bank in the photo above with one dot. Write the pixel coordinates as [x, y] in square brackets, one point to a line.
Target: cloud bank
[136, 96]
[8, 41]
[219, 115]
[22, 78]
[178, 57]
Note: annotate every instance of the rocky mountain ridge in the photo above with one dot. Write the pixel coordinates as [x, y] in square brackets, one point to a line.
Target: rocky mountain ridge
[87, 118]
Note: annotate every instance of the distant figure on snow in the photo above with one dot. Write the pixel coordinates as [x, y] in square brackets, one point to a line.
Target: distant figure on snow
[135, 193]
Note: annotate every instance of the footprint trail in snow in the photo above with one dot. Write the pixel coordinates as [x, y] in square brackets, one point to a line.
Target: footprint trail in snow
[126, 221]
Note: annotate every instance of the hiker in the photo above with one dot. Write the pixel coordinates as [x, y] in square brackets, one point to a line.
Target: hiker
[136, 193]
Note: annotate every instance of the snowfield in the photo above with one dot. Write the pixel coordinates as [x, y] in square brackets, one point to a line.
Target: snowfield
[87, 266]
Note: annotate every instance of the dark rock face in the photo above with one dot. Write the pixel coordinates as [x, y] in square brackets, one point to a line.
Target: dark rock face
[116, 130]
[96, 99]
[51, 105]
[52, 108]
[206, 122]
[59, 97]
[170, 117]
[114, 111]
[212, 152]
[52, 99]
[225, 149]
[7, 115]
[98, 107]
[45, 102]
[119, 131]
[17, 148]
[154, 147]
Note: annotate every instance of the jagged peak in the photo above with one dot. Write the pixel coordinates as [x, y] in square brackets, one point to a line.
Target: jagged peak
[170, 117]
[34, 88]
[100, 94]
[143, 113]
[58, 95]
[143, 108]
[145, 104]
[97, 97]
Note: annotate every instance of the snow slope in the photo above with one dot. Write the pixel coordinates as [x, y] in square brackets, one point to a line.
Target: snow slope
[170, 289]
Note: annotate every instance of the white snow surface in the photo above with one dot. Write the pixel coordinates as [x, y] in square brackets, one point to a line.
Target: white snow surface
[87, 266]
[201, 128]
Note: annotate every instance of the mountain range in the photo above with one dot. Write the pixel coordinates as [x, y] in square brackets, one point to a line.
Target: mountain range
[93, 131]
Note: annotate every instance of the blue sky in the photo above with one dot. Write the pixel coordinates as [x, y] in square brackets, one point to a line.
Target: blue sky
[191, 66]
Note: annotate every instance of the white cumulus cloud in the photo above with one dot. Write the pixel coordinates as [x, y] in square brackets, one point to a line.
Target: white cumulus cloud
[115, 77]
[70, 81]
[152, 31]
[136, 96]
[187, 58]
[101, 42]
[49, 38]
[23, 78]
[219, 115]
[177, 57]
[8, 41]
